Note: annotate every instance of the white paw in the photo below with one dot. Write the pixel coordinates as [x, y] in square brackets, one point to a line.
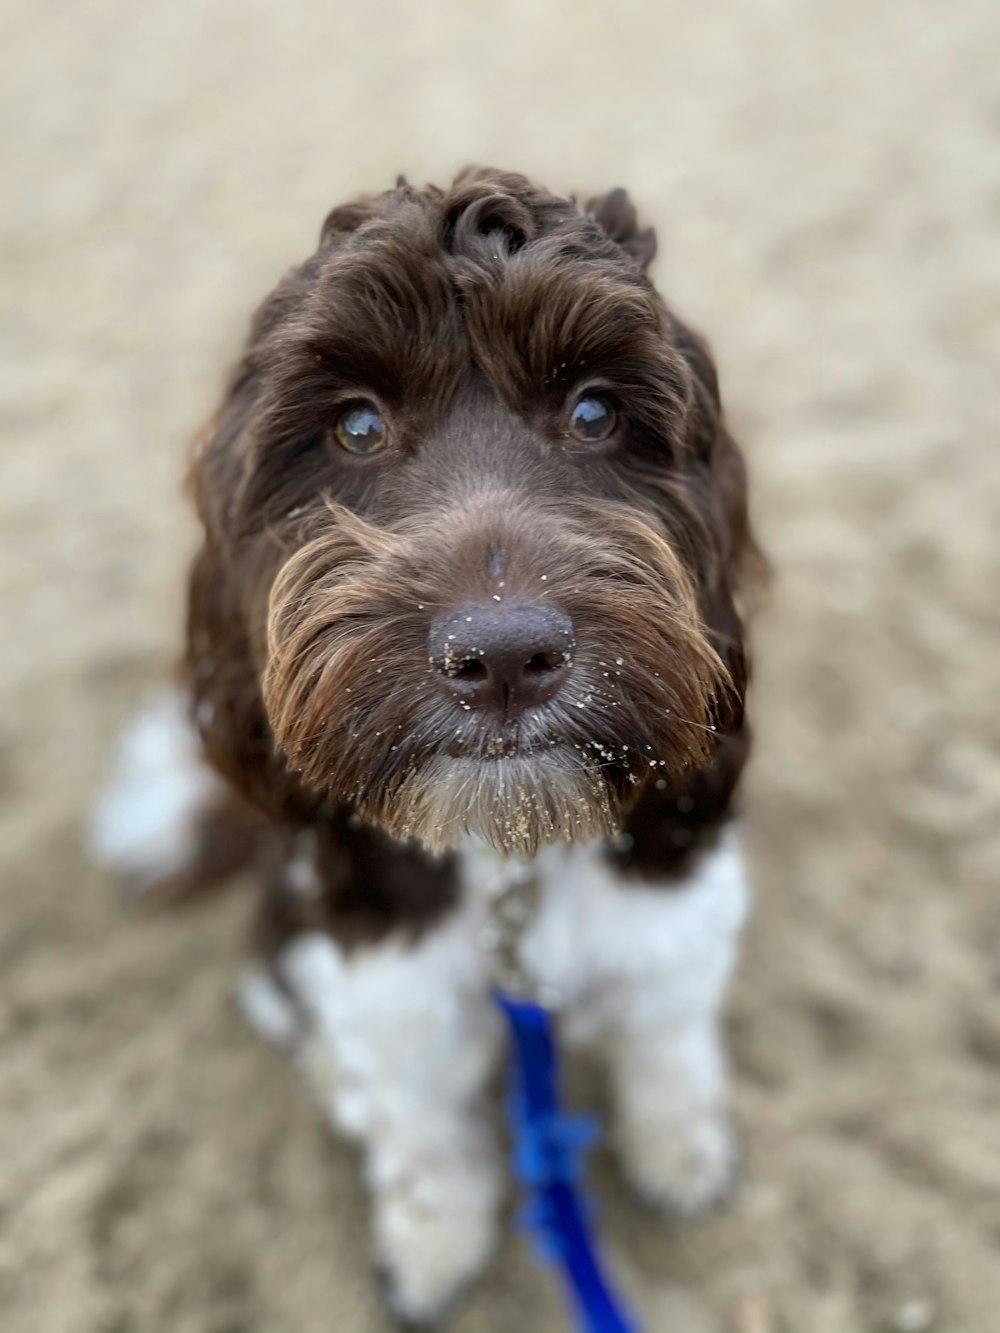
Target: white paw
[679, 1166]
[433, 1231]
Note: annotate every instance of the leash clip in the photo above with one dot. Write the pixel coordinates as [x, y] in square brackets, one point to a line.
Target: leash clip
[513, 905]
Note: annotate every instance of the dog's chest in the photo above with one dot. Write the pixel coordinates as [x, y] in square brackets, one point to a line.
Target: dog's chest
[593, 938]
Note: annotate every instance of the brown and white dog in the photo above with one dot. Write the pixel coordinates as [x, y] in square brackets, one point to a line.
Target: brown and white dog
[474, 534]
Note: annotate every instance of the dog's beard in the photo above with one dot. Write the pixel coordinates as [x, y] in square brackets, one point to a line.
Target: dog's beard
[515, 804]
[357, 710]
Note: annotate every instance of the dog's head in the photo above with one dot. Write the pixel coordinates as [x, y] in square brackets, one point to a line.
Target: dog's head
[475, 513]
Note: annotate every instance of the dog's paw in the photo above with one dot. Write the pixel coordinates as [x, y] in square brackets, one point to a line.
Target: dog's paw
[433, 1234]
[679, 1167]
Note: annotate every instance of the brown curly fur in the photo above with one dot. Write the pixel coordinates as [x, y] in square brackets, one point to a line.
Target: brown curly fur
[473, 317]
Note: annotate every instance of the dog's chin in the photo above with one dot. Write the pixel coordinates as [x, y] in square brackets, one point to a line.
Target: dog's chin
[515, 803]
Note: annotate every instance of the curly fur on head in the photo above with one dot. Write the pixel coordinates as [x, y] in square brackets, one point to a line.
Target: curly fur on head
[473, 318]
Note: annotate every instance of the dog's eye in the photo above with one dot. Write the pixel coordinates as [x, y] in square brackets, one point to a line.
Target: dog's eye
[360, 429]
[593, 419]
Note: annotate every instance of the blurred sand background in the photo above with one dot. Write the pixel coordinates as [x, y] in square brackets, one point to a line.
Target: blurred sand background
[826, 185]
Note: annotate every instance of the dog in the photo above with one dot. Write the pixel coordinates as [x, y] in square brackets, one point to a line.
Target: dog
[475, 550]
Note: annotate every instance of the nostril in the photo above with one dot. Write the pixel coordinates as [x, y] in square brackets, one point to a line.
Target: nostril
[543, 663]
[470, 668]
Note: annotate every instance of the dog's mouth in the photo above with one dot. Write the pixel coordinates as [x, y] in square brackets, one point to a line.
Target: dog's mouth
[511, 743]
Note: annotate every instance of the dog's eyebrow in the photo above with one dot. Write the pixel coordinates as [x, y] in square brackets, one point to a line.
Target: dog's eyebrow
[380, 318]
[543, 325]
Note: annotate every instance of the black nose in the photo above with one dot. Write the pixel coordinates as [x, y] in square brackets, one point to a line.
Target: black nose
[505, 658]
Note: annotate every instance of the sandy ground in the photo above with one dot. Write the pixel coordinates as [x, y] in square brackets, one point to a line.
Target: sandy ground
[826, 182]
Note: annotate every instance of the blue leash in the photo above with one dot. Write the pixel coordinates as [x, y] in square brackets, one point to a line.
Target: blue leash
[548, 1163]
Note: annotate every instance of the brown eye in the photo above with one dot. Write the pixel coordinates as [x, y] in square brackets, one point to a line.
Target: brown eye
[361, 430]
[593, 419]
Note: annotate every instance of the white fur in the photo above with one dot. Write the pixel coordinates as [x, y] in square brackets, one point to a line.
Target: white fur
[266, 1008]
[145, 825]
[643, 970]
[399, 1041]
[635, 953]
[646, 969]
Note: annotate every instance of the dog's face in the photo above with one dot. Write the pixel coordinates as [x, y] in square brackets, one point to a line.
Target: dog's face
[480, 519]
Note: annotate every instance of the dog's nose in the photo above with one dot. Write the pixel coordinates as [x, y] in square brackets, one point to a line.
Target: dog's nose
[505, 658]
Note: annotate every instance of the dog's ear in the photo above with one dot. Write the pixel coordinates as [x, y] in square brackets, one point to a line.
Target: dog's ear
[615, 214]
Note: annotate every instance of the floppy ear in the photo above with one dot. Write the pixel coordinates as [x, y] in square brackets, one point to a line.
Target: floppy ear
[615, 214]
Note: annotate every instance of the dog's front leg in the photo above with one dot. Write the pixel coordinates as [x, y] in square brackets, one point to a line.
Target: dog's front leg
[642, 966]
[672, 1127]
[667, 1057]
[399, 1041]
